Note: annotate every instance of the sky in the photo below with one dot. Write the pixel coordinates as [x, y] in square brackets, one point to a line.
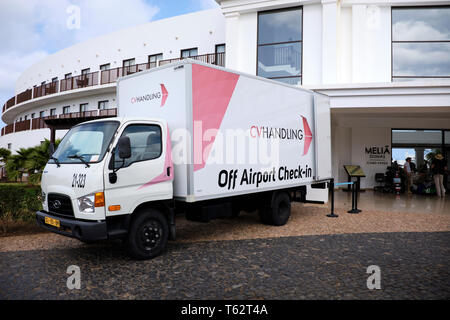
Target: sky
[30, 30]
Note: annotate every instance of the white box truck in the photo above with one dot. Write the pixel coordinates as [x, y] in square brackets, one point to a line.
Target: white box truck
[193, 139]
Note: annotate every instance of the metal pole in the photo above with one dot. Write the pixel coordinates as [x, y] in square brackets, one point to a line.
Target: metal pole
[353, 210]
[331, 188]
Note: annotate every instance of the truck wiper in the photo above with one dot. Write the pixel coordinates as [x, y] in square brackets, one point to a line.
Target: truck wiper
[75, 156]
[56, 161]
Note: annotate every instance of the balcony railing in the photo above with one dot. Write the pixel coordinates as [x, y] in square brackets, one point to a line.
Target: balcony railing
[22, 126]
[9, 128]
[39, 123]
[84, 114]
[106, 76]
[11, 102]
[217, 59]
[108, 112]
[111, 75]
[82, 81]
[24, 96]
[45, 89]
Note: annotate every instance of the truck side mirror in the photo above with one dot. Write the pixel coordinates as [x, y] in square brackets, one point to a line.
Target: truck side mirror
[124, 147]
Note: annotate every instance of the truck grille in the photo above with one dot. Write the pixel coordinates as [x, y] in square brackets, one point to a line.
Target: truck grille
[60, 204]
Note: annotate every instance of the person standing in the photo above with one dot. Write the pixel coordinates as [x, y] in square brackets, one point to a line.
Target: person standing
[408, 173]
[438, 168]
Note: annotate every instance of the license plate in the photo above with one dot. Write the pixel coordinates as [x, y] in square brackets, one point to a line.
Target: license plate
[52, 222]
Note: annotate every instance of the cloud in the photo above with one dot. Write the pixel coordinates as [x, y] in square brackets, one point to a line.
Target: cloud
[12, 64]
[33, 29]
[417, 30]
[421, 59]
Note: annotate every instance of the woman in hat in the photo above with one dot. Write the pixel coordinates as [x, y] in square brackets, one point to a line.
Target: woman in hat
[438, 168]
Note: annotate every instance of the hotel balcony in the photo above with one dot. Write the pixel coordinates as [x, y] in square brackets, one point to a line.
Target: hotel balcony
[78, 86]
[40, 123]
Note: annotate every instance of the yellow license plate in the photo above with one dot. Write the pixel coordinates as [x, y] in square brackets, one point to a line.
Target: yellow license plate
[52, 222]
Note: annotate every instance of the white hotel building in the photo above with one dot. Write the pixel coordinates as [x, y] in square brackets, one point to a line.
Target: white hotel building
[384, 63]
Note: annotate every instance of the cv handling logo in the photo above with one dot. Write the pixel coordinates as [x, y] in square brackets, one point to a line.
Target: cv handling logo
[162, 95]
[304, 134]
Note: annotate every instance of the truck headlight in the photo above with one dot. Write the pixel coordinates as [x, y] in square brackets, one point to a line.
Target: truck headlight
[86, 204]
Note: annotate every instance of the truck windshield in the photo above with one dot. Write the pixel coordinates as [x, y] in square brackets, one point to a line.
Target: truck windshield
[87, 142]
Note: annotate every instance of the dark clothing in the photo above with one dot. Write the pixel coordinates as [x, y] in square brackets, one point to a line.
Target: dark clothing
[438, 166]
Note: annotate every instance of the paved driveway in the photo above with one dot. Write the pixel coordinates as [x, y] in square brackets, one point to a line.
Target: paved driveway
[413, 266]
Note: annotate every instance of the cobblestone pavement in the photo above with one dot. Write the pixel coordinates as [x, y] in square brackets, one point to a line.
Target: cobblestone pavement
[413, 266]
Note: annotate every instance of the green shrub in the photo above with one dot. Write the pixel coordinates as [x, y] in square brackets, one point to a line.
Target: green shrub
[19, 202]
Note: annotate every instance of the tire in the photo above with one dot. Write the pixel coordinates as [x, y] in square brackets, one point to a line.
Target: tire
[279, 211]
[149, 232]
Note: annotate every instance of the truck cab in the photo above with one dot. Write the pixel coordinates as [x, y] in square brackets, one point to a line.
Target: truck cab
[102, 171]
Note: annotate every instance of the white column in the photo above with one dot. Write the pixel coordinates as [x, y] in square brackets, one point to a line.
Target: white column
[232, 40]
[329, 41]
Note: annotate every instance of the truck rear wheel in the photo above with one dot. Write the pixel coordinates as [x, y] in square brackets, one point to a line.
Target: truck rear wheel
[278, 212]
[148, 235]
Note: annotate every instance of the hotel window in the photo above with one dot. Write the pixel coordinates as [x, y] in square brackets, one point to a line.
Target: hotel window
[83, 107]
[280, 45]
[53, 112]
[128, 66]
[41, 114]
[33, 115]
[102, 105]
[85, 71]
[26, 118]
[104, 67]
[186, 53]
[55, 79]
[154, 59]
[67, 75]
[66, 110]
[129, 62]
[9, 146]
[420, 43]
[220, 54]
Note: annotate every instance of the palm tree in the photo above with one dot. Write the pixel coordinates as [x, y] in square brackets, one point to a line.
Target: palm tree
[4, 155]
[37, 159]
[15, 167]
[30, 160]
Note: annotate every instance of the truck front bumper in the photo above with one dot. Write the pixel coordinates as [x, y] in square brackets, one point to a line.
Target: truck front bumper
[82, 230]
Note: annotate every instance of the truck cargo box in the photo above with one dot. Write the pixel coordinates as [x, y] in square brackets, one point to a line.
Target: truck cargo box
[232, 133]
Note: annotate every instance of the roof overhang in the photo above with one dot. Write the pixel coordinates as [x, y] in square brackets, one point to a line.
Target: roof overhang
[410, 94]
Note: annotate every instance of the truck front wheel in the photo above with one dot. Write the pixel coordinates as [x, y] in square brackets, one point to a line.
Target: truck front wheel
[149, 232]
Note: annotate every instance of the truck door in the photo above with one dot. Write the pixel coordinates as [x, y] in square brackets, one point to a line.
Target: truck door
[322, 143]
[145, 176]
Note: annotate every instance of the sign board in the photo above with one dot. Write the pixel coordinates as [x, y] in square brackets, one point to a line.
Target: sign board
[354, 171]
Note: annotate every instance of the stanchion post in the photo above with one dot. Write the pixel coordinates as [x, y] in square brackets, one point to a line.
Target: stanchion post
[331, 188]
[354, 201]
